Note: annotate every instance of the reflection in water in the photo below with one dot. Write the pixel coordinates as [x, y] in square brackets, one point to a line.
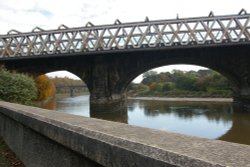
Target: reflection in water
[74, 105]
[202, 119]
[240, 130]
[120, 116]
[48, 104]
[192, 118]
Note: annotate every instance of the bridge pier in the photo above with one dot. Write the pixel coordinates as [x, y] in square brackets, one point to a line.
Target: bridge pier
[242, 90]
[104, 82]
[114, 102]
[242, 102]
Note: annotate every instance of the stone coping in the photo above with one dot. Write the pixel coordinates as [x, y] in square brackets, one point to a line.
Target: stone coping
[117, 142]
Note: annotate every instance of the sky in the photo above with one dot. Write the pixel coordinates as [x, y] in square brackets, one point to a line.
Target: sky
[24, 15]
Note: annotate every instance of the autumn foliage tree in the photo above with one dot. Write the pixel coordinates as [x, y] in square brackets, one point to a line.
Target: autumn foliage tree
[45, 87]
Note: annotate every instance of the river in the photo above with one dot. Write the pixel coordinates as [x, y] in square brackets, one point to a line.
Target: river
[202, 119]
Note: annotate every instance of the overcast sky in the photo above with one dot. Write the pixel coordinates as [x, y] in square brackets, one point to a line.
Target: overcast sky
[24, 15]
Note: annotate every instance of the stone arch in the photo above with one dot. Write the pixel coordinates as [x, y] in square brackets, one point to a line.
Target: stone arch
[231, 77]
[70, 75]
[231, 62]
[108, 74]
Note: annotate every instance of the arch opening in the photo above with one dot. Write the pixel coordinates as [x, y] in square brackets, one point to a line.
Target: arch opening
[53, 86]
[68, 83]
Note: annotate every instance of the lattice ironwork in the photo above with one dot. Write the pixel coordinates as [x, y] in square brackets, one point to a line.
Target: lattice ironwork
[128, 36]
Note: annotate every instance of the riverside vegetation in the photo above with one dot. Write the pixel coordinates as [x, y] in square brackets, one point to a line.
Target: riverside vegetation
[17, 88]
[23, 89]
[203, 83]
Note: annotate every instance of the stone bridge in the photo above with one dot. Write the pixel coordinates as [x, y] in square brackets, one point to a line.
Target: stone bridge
[107, 58]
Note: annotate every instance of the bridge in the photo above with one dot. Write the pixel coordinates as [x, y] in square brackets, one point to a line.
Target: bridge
[71, 86]
[108, 57]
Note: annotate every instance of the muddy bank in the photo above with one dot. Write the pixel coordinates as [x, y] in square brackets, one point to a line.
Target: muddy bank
[183, 99]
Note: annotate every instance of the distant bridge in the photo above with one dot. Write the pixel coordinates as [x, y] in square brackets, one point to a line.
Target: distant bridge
[108, 57]
[72, 88]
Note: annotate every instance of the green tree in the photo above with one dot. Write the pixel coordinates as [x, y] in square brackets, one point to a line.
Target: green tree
[185, 83]
[149, 73]
[167, 86]
[17, 88]
[204, 83]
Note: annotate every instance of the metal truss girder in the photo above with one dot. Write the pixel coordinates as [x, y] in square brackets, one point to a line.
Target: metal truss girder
[127, 36]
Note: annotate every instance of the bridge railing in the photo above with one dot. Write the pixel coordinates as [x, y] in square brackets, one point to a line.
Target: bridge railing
[127, 36]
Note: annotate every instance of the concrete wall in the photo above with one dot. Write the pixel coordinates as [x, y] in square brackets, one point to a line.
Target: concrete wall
[43, 138]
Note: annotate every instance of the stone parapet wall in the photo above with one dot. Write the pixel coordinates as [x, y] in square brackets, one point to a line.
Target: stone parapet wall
[44, 138]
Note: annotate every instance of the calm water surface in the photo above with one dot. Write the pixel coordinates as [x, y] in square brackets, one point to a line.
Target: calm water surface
[202, 119]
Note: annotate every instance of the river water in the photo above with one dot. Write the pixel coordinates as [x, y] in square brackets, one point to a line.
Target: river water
[202, 119]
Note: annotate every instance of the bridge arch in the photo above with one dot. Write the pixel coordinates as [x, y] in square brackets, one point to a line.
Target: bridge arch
[215, 61]
[108, 57]
[67, 82]
[108, 75]
[232, 80]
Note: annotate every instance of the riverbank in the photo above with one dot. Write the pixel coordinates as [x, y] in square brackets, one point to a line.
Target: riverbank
[64, 95]
[183, 99]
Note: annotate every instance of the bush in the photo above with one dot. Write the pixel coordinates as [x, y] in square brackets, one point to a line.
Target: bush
[17, 88]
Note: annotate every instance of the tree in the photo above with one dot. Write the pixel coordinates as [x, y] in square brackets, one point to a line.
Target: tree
[45, 87]
[150, 77]
[204, 83]
[167, 86]
[185, 83]
[16, 87]
[148, 74]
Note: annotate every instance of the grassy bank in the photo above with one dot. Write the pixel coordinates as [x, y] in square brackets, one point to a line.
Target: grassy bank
[185, 99]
